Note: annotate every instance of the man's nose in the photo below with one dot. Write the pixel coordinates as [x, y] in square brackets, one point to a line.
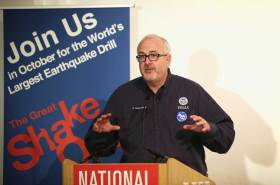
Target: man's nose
[147, 61]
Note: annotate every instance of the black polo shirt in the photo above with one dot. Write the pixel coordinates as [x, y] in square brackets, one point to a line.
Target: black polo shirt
[151, 124]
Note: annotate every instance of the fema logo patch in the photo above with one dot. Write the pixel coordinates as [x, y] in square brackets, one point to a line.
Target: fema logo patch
[181, 116]
[183, 101]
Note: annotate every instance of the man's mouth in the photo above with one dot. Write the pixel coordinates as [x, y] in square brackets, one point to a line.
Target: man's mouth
[149, 70]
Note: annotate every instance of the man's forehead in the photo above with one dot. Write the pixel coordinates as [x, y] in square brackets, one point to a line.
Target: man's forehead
[150, 45]
[150, 51]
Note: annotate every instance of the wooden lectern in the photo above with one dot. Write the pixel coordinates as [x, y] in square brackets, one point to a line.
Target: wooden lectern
[171, 173]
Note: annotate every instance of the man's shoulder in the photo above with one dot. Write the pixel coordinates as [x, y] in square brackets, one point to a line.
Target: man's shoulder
[182, 81]
[130, 86]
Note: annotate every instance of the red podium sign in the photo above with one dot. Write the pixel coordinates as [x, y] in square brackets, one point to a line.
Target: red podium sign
[116, 174]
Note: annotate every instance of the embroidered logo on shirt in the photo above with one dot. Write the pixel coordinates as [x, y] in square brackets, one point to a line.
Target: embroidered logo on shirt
[183, 101]
[181, 116]
[138, 108]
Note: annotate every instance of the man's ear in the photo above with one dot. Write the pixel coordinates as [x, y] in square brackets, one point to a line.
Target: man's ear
[168, 58]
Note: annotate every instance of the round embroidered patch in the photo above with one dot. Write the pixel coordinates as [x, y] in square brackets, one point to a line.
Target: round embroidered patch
[183, 101]
[181, 116]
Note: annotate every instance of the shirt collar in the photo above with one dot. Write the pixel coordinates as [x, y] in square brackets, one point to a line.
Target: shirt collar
[162, 89]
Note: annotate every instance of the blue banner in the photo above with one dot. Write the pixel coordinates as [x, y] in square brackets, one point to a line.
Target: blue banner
[60, 67]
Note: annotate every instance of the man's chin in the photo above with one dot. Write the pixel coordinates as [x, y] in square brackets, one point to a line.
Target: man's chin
[149, 78]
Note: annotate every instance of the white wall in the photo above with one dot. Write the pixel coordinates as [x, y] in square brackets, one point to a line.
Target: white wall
[1, 99]
[231, 47]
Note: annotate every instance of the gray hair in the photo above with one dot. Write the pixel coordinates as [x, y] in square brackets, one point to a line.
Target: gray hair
[166, 46]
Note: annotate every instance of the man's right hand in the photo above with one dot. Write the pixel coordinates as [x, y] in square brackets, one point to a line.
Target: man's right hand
[103, 124]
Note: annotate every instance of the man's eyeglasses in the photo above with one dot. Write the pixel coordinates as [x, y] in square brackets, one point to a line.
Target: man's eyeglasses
[152, 57]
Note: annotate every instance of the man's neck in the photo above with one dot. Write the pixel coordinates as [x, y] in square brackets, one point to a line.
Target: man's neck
[155, 86]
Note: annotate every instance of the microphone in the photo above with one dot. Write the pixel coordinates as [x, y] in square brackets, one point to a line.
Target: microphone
[158, 157]
[100, 153]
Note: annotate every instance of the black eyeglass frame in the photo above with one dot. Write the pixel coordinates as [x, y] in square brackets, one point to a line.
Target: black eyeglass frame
[156, 55]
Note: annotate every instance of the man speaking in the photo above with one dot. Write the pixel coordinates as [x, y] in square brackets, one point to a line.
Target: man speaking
[161, 115]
